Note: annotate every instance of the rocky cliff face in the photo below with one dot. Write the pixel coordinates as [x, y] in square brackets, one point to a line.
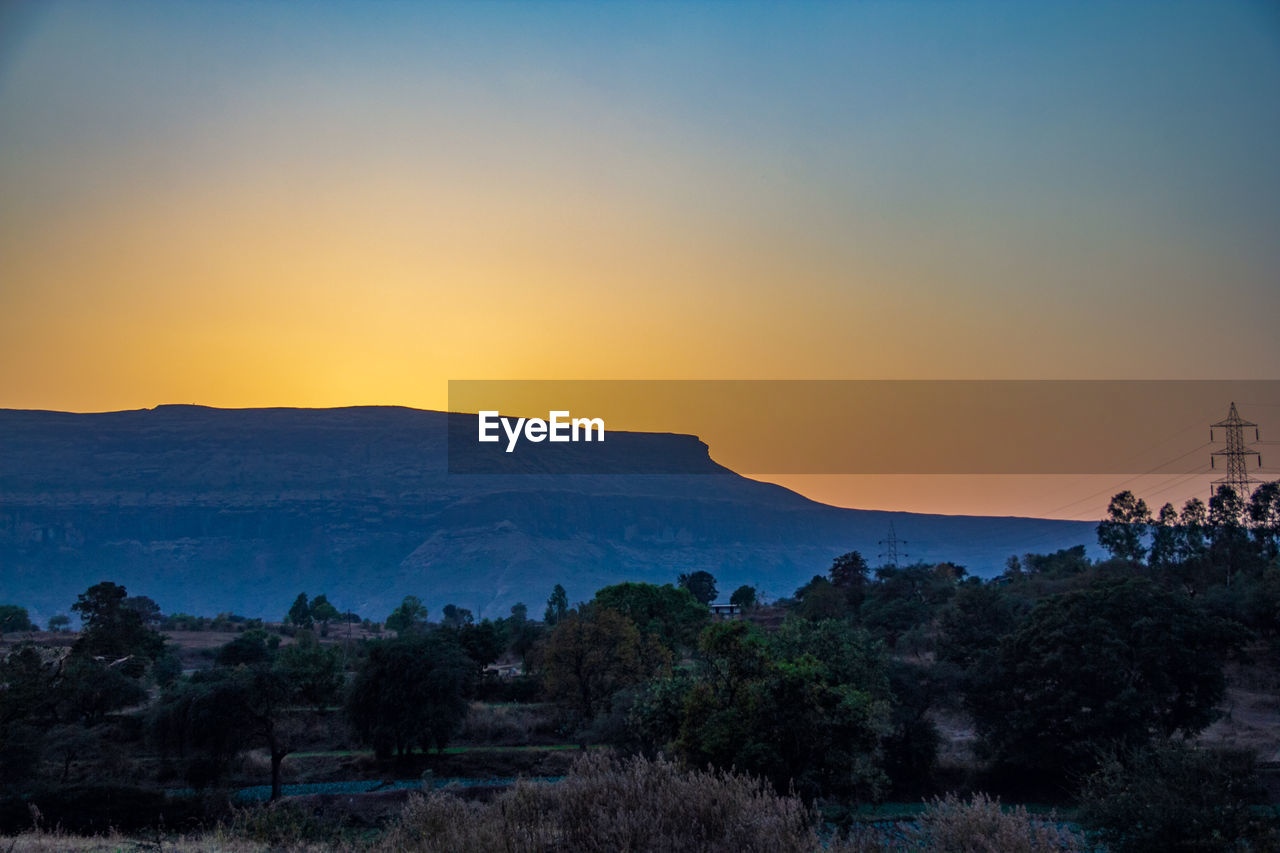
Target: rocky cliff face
[208, 510]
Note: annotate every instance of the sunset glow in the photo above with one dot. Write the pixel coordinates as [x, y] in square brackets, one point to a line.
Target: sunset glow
[248, 205]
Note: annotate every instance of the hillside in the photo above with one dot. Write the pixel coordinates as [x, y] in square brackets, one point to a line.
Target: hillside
[208, 510]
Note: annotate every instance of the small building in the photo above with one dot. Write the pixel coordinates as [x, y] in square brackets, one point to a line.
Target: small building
[725, 611]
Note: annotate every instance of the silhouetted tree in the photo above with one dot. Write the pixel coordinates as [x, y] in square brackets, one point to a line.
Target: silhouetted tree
[323, 612]
[410, 617]
[314, 671]
[744, 597]
[1264, 513]
[701, 584]
[820, 599]
[113, 631]
[1230, 549]
[454, 616]
[1164, 539]
[146, 608]
[557, 606]
[1122, 662]
[848, 574]
[14, 618]
[247, 648]
[410, 693]
[300, 612]
[1124, 530]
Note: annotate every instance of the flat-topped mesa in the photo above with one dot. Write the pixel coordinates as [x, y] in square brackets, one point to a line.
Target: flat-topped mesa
[187, 451]
[208, 510]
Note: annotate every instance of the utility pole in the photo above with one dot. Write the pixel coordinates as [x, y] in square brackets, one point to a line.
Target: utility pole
[1235, 453]
[891, 547]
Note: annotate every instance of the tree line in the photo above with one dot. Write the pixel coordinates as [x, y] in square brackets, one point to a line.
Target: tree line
[1079, 677]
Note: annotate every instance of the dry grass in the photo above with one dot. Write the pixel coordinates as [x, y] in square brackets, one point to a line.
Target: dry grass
[507, 725]
[978, 825]
[607, 804]
[214, 842]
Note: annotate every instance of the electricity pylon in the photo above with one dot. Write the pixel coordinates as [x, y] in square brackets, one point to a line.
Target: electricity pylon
[891, 547]
[1236, 453]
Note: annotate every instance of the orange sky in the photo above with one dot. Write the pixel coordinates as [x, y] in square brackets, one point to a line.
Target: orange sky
[268, 205]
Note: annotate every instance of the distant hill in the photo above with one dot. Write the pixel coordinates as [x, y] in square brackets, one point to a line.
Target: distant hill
[208, 510]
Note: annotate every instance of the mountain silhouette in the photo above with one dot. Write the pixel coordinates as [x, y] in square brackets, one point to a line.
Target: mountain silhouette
[209, 510]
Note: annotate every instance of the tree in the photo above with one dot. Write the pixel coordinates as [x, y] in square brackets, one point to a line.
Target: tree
[805, 708]
[247, 648]
[323, 612]
[557, 606]
[907, 597]
[410, 617]
[971, 627]
[27, 710]
[410, 693]
[312, 670]
[522, 634]
[744, 597]
[300, 612]
[1230, 549]
[483, 643]
[591, 656]
[114, 631]
[14, 618]
[223, 710]
[1124, 530]
[1063, 563]
[848, 574]
[821, 599]
[59, 622]
[669, 613]
[1191, 562]
[454, 616]
[1164, 539]
[1120, 663]
[701, 584]
[1264, 513]
[146, 608]
[87, 690]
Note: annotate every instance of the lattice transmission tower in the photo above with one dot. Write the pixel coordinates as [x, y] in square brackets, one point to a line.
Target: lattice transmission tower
[891, 547]
[1236, 453]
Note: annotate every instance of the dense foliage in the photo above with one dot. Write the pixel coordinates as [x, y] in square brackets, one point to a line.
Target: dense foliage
[1085, 681]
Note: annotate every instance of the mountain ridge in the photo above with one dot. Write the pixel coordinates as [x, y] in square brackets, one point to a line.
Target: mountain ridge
[207, 509]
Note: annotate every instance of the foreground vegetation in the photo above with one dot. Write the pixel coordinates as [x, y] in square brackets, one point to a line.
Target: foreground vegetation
[607, 804]
[1087, 684]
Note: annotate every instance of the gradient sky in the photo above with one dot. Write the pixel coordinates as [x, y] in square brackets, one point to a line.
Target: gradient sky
[254, 204]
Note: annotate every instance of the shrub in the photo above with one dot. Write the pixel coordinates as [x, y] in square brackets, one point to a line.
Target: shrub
[1176, 797]
[502, 725]
[611, 804]
[980, 825]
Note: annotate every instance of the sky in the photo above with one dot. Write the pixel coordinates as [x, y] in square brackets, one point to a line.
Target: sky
[279, 204]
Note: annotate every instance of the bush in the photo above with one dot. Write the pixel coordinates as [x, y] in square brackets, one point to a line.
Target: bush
[607, 804]
[1176, 797]
[980, 825]
[505, 725]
